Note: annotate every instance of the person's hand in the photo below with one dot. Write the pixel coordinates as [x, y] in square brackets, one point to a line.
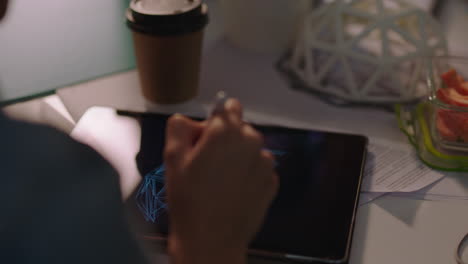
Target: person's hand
[219, 185]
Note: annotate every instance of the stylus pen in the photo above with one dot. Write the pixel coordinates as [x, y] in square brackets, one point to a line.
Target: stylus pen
[218, 105]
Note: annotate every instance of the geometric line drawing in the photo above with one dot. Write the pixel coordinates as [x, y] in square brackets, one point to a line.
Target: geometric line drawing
[151, 196]
[276, 153]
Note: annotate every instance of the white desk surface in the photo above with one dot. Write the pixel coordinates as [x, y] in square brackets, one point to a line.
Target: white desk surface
[388, 230]
[248, 76]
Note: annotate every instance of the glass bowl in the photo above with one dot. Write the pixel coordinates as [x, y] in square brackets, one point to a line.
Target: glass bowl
[449, 99]
[438, 126]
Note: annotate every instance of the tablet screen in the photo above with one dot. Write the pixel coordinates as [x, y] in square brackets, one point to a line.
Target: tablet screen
[313, 214]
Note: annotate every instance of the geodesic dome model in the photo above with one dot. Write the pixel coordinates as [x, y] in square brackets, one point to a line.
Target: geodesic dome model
[366, 51]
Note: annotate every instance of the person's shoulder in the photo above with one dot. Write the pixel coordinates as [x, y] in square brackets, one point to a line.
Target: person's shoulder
[33, 138]
[68, 190]
[38, 147]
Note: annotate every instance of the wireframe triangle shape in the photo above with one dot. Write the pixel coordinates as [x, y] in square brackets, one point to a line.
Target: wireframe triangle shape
[355, 26]
[336, 78]
[411, 25]
[433, 33]
[327, 34]
[370, 43]
[394, 6]
[387, 85]
[398, 45]
[366, 6]
[323, 61]
[326, 22]
[362, 72]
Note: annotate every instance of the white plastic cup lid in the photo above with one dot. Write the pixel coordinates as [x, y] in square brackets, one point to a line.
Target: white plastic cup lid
[164, 7]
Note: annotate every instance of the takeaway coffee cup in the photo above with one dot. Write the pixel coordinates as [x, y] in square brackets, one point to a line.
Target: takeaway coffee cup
[167, 37]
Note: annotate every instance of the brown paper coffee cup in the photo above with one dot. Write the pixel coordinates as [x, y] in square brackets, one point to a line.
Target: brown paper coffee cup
[168, 53]
[168, 66]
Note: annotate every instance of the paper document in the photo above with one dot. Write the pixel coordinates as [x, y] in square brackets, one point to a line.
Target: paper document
[367, 197]
[114, 137]
[394, 167]
[454, 186]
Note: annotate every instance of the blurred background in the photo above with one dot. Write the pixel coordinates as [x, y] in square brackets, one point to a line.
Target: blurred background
[50, 44]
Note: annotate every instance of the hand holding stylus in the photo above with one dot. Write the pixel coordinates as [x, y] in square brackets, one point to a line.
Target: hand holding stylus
[219, 184]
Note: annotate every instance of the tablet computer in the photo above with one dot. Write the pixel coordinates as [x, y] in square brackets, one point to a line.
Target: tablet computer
[311, 219]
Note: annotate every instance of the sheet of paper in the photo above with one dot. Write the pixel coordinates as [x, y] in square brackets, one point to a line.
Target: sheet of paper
[116, 138]
[394, 167]
[367, 197]
[454, 186]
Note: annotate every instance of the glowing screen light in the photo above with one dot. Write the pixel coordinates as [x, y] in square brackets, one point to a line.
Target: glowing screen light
[151, 195]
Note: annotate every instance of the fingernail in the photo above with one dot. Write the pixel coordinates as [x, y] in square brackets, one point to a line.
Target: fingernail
[229, 103]
[177, 115]
[177, 121]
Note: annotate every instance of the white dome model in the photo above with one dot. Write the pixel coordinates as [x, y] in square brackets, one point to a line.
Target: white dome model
[366, 51]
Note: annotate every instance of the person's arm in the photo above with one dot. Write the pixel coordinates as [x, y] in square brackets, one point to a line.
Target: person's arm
[60, 201]
[220, 183]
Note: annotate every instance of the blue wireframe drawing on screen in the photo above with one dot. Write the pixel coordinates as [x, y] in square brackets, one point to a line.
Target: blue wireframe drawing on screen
[151, 196]
[276, 153]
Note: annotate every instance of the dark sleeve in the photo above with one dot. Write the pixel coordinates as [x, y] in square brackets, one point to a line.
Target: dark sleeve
[60, 202]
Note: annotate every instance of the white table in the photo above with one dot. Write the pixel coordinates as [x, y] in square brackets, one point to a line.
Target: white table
[389, 230]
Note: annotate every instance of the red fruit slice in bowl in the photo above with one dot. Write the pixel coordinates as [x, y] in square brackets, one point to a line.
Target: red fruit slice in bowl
[462, 88]
[442, 95]
[444, 131]
[450, 78]
[452, 97]
[452, 125]
[453, 80]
